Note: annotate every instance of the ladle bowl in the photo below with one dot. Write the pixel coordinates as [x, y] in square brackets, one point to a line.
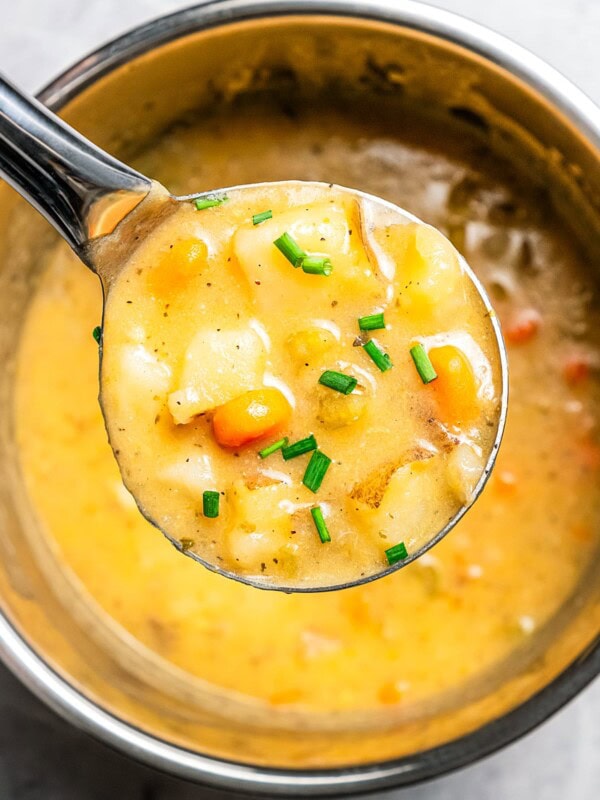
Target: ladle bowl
[101, 206]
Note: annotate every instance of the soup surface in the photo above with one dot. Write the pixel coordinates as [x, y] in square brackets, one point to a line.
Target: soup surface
[497, 578]
[255, 415]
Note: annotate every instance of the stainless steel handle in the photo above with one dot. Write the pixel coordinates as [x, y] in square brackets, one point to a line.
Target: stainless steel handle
[56, 169]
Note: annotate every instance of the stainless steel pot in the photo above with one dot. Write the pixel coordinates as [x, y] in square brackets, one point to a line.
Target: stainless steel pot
[121, 96]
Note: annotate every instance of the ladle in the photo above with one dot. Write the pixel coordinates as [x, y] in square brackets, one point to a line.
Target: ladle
[85, 194]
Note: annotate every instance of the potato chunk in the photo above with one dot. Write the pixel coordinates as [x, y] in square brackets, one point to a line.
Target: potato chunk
[319, 229]
[262, 524]
[371, 489]
[193, 475]
[428, 274]
[218, 366]
[409, 489]
[463, 471]
[140, 379]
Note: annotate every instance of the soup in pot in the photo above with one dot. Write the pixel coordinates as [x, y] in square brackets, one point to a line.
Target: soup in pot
[504, 570]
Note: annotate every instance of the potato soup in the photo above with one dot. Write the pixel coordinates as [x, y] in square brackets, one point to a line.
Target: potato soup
[443, 620]
[301, 385]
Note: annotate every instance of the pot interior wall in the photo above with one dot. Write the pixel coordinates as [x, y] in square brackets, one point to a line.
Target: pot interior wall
[379, 69]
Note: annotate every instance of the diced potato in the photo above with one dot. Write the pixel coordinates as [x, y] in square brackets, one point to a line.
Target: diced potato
[262, 525]
[310, 344]
[218, 366]
[140, 378]
[408, 489]
[463, 470]
[192, 474]
[429, 274]
[371, 489]
[319, 229]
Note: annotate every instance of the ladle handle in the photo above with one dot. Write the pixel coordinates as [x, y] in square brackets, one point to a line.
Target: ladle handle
[56, 169]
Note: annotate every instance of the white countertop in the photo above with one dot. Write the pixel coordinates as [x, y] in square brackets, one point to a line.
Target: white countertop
[41, 757]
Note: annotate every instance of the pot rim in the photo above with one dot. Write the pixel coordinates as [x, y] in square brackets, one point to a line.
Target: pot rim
[64, 698]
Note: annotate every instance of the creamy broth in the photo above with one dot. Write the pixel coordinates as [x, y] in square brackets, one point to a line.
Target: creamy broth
[215, 346]
[492, 582]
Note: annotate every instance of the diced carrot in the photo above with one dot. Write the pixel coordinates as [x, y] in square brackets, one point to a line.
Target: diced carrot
[523, 326]
[252, 415]
[177, 266]
[588, 453]
[389, 694]
[456, 385]
[577, 367]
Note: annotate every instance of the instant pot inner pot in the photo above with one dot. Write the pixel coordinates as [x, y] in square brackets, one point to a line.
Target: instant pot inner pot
[363, 68]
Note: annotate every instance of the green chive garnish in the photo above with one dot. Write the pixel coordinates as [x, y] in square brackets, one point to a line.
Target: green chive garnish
[338, 381]
[317, 265]
[273, 448]
[396, 553]
[209, 202]
[299, 448]
[381, 359]
[317, 516]
[262, 217]
[290, 249]
[423, 364]
[210, 504]
[372, 322]
[97, 333]
[315, 472]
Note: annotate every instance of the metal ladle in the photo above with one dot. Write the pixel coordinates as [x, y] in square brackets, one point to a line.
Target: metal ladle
[85, 194]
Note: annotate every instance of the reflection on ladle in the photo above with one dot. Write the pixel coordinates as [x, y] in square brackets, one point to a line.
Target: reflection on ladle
[320, 417]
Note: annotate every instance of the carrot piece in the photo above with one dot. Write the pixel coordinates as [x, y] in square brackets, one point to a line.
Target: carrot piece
[456, 385]
[252, 415]
[523, 326]
[577, 367]
[176, 267]
[389, 694]
[588, 455]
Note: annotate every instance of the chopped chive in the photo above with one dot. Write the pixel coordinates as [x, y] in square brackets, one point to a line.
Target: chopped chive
[210, 504]
[424, 366]
[372, 322]
[262, 217]
[381, 359]
[290, 249]
[209, 202]
[186, 544]
[338, 381]
[315, 472]
[320, 525]
[396, 553]
[273, 448]
[317, 265]
[97, 333]
[299, 448]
